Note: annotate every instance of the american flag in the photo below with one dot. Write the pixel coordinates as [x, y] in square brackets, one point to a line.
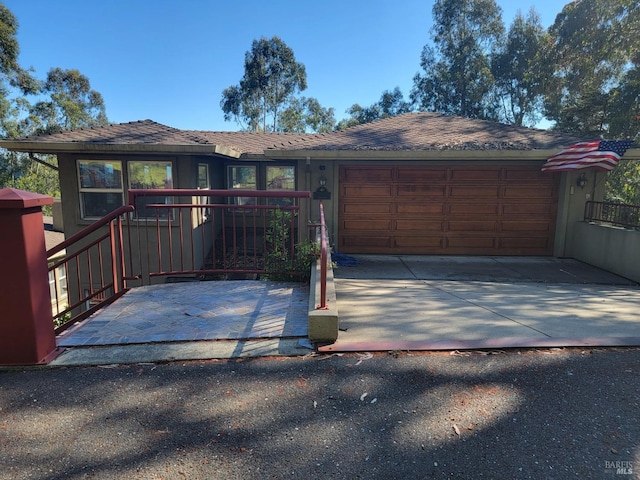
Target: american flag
[603, 155]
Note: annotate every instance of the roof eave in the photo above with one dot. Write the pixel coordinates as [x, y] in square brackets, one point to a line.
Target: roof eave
[475, 155]
[84, 147]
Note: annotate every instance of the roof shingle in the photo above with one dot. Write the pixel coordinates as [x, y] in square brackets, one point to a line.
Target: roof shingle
[408, 132]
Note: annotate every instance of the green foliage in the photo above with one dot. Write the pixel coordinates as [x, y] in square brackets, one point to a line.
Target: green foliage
[272, 77]
[457, 77]
[623, 183]
[516, 67]
[71, 104]
[279, 262]
[593, 46]
[66, 101]
[304, 114]
[391, 103]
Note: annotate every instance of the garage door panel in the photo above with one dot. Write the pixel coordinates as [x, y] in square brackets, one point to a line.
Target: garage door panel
[471, 226]
[474, 174]
[366, 224]
[366, 241]
[421, 208]
[403, 225]
[364, 208]
[528, 192]
[524, 243]
[525, 226]
[421, 242]
[374, 191]
[416, 191]
[369, 174]
[526, 175]
[473, 209]
[471, 242]
[538, 210]
[421, 175]
[462, 210]
[473, 191]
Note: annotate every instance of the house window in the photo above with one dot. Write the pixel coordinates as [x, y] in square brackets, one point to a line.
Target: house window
[58, 289]
[262, 177]
[280, 178]
[100, 187]
[203, 176]
[243, 178]
[144, 175]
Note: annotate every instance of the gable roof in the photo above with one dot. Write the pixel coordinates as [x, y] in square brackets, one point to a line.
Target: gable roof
[408, 132]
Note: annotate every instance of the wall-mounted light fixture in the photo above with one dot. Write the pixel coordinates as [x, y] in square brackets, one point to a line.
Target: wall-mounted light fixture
[321, 192]
[582, 180]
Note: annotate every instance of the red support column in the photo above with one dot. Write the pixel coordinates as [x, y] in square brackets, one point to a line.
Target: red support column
[27, 334]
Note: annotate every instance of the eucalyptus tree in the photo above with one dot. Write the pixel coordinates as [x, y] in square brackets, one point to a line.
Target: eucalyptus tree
[65, 100]
[306, 114]
[456, 77]
[272, 78]
[15, 83]
[592, 61]
[516, 67]
[71, 103]
[391, 103]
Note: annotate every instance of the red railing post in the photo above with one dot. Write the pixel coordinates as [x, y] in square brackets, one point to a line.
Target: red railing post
[26, 322]
[324, 258]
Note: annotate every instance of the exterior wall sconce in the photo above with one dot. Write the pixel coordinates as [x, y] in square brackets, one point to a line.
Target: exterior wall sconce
[582, 180]
[321, 192]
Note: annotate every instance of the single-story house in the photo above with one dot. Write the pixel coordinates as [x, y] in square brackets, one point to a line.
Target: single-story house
[418, 183]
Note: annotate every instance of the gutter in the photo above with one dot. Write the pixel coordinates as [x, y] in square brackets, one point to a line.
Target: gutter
[84, 147]
[448, 155]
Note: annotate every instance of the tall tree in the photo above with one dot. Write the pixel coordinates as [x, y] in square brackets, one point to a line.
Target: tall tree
[591, 51]
[457, 76]
[304, 114]
[391, 103]
[516, 67]
[66, 101]
[72, 103]
[272, 77]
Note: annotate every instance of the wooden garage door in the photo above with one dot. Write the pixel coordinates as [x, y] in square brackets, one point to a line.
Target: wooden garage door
[447, 210]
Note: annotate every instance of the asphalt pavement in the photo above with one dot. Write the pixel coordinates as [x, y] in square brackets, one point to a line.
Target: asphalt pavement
[513, 414]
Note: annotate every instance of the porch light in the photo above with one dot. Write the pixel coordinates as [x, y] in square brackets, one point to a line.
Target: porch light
[582, 180]
[322, 193]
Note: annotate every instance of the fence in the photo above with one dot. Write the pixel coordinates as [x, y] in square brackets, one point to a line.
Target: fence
[178, 235]
[619, 214]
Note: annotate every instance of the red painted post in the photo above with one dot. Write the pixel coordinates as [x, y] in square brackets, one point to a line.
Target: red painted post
[27, 334]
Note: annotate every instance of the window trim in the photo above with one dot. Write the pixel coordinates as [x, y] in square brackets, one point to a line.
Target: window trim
[82, 190]
[261, 177]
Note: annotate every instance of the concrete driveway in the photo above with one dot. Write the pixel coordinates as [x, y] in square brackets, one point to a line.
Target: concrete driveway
[447, 303]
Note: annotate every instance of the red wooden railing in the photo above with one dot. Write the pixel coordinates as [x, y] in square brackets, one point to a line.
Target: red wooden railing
[324, 259]
[176, 238]
[94, 259]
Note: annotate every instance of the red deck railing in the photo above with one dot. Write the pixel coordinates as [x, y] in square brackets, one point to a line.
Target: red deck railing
[324, 259]
[179, 235]
[94, 259]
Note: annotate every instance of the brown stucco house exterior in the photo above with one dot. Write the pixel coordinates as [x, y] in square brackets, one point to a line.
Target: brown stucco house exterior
[418, 183]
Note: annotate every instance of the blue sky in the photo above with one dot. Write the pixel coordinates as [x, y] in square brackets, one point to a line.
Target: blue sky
[170, 60]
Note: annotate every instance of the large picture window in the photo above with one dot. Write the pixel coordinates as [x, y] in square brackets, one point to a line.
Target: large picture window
[145, 175]
[100, 187]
